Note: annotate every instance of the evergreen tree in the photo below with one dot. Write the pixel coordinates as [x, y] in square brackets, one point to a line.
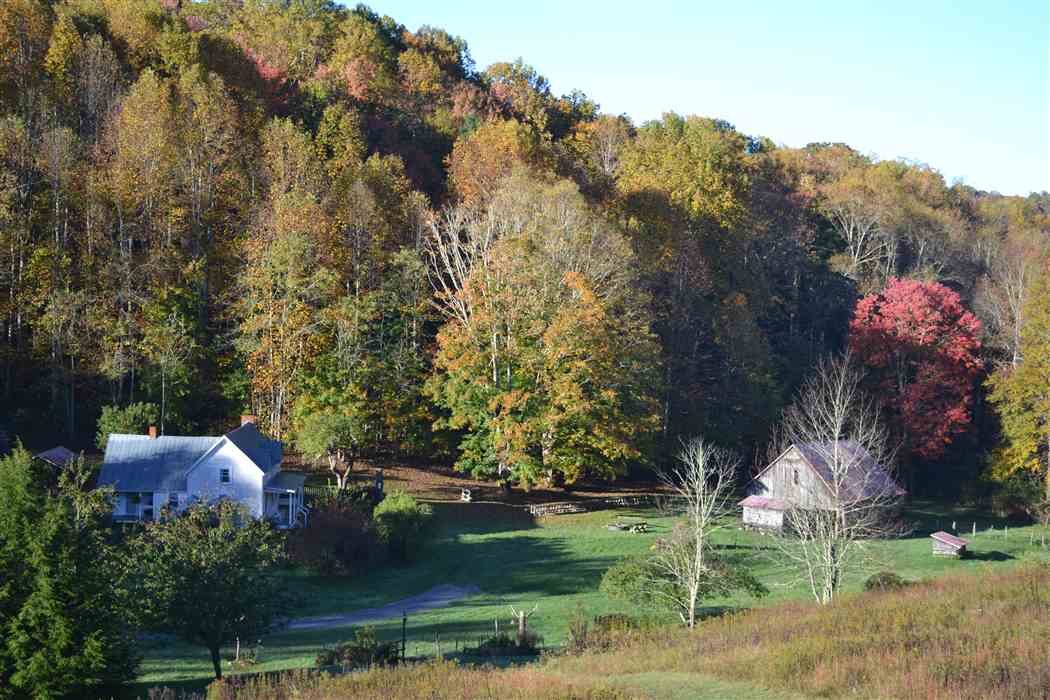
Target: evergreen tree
[67, 624]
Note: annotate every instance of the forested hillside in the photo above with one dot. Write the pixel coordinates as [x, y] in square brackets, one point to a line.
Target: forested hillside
[287, 207]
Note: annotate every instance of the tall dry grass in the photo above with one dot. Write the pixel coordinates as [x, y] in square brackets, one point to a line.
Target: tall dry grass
[954, 638]
[433, 680]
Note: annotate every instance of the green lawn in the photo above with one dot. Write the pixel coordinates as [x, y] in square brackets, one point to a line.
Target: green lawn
[557, 564]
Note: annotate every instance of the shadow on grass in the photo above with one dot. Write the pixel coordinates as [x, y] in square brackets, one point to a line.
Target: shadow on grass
[481, 518]
[927, 517]
[545, 566]
[745, 547]
[990, 556]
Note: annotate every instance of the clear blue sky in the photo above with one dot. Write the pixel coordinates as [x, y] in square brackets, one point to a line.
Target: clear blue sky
[963, 86]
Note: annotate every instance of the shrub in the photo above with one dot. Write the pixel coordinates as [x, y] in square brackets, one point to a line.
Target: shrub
[503, 644]
[579, 630]
[364, 651]
[359, 496]
[339, 538]
[132, 420]
[642, 580]
[630, 579]
[884, 581]
[614, 622]
[603, 633]
[400, 523]
[1019, 497]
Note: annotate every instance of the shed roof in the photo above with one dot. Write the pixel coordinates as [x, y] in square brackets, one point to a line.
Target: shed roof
[142, 463]
[764, 502]
[57, 456]
[949, 539]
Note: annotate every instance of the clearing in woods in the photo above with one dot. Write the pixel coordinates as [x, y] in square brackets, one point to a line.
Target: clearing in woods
[554, 562]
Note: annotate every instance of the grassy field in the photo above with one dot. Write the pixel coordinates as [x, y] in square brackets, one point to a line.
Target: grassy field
[557, 564]
[956, 637]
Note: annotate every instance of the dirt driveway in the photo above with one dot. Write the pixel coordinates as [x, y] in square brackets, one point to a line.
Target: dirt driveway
[437, 597]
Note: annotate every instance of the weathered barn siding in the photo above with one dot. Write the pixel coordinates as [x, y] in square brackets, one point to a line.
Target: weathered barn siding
[763, 518]
[791, 479]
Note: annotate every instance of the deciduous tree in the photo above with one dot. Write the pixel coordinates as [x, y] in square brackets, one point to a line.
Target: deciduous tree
[546, 359]
[922, 348]
[1021, 393]
[841, 425]
[335, 438]
[208, 575]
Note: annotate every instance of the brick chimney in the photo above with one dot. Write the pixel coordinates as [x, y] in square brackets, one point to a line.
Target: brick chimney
[153, 432]
[248, 418]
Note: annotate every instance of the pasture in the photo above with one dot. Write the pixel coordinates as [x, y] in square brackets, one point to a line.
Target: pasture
[556, 563]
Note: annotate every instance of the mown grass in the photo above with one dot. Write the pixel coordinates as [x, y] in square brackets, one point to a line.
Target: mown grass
[557, 564]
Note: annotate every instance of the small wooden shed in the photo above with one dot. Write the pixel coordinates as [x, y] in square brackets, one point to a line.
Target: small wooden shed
[946, 545]
[763, 512]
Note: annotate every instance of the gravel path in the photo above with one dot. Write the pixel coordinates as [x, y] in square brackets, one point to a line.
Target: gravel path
[437, 597]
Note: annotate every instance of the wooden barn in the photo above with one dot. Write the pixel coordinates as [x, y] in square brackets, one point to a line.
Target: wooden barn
[802, 478]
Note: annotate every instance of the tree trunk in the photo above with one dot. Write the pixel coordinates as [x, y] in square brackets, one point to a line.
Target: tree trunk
[216, 662]
[163, 397]
[340, 476]
[1047, 485]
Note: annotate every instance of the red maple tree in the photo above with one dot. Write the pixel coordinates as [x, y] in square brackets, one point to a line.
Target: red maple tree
[921, 347]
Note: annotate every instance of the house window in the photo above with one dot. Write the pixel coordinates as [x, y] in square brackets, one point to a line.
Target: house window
[795, 477]
[224, 476]
[173, 500]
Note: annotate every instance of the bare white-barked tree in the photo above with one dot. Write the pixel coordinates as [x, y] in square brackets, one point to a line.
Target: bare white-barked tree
[702, 484]
[840, 429]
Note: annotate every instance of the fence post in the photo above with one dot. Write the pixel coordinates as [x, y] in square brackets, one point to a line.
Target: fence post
[404, 629]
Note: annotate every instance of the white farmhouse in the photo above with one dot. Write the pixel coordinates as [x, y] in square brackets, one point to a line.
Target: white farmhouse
[149, 473]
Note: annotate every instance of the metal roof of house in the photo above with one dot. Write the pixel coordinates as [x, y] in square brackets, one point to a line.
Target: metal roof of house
[764, 502]
[863, 477]
[57, 456]
[142, 463]
[286, 481]
[948, 539]
[266, 453]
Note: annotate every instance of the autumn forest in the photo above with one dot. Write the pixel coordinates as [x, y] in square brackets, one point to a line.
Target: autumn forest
[293, 208]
